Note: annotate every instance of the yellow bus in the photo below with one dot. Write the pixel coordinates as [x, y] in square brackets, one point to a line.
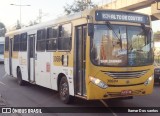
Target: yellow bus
[94, 54]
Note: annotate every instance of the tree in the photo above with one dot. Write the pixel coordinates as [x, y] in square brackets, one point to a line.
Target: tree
[2, 30]
[78, 6]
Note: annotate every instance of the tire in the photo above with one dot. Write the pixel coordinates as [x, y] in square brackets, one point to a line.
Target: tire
[64, 91]
[19, 77]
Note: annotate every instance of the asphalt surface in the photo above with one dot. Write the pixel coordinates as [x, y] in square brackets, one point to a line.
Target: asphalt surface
[13, 95]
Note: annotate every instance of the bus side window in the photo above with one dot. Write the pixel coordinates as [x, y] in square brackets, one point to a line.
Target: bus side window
[7, 44]
[64, 39]
[41, 40]
[51, 41]
[23, 42]
[16, 44]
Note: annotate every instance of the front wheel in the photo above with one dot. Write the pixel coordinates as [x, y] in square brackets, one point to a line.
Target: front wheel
[64, 91]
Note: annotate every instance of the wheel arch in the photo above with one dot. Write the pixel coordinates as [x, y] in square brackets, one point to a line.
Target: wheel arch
[18, 67]
[59, 79]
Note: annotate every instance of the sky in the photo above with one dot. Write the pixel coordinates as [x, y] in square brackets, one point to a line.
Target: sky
[51, 9]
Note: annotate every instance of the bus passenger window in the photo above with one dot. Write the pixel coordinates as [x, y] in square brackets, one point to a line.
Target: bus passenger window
[41, 40]
[7, 44]
[64, 40]
[23, 42]
[16, 44]
[51, 42]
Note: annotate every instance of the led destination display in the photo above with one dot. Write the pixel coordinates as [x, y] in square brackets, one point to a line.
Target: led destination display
[102, 15]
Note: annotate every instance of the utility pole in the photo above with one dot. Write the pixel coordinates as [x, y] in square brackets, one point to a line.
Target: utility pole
[40, 16]
[19, 5]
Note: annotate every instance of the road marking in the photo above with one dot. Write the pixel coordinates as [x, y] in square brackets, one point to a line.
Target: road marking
[106, 105]
[2, 83]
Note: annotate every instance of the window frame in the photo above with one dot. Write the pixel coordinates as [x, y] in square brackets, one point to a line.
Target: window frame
[41, 40]
[53, 38]
[127, 49]
[65, 37]
[21, 41]
[6, 47]
[16, 42]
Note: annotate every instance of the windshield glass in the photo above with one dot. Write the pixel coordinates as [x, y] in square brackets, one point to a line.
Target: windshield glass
[119, 45]
[1, 48]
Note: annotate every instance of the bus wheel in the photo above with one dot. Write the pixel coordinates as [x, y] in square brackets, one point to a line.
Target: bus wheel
[19, 77]
[64, 90]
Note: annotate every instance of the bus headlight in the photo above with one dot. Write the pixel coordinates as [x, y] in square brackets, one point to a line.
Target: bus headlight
[98, 82]
[148, 80]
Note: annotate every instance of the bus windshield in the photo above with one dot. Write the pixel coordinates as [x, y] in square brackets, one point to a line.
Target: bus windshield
[1, 48]
[121, 45]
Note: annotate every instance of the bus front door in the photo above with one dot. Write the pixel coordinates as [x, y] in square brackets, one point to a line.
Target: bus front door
[31, 58]
[80, 60]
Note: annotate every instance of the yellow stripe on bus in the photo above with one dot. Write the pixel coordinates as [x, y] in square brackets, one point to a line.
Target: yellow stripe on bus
[15, 55]
[6, 54]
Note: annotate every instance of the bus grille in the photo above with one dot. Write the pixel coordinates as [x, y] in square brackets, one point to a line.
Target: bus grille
[123, 75]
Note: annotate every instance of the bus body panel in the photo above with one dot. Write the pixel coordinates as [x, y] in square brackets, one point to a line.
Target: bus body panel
[42, 76]
[6, 62]
[114, 92]
[68, 72]
[15, 63]
[23, 65]
[117, 86]
[58, 68]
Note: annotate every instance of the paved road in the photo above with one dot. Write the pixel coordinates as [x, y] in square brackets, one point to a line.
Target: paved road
[13, 95]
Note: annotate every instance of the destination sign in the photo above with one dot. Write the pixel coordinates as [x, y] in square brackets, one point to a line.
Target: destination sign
[102, 15]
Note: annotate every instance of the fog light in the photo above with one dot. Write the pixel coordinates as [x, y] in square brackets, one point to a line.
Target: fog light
[148, 80]
[98, 82]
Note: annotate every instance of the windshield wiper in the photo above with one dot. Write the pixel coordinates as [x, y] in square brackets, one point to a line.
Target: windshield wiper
[118, 37]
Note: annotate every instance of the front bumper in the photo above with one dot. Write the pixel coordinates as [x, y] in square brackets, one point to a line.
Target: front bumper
[116, 92]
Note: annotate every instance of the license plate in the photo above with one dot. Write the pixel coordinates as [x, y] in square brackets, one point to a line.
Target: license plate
[126, 92]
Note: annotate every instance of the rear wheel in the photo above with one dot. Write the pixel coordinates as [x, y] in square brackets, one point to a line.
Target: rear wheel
[64, 91]
[19, 77]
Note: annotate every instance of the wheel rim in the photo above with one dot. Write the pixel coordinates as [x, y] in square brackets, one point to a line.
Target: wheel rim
[64, 90]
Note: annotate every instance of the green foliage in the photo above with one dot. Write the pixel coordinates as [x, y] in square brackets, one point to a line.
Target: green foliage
[78, 6]
[2, 30]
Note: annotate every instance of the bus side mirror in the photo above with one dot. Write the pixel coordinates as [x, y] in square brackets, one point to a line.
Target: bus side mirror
[90, 29]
